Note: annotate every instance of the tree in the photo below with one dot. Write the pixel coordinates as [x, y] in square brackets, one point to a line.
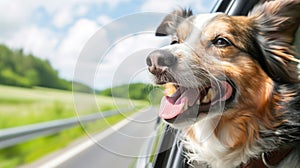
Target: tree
[19, 69]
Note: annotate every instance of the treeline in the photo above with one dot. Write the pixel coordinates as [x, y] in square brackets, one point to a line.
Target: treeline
[137, 91]
[19, 69]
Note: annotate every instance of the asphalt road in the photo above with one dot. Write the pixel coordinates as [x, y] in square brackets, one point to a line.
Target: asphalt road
[116, 147]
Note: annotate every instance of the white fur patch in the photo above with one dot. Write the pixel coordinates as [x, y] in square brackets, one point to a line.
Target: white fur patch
[208, 149]
[199, 23]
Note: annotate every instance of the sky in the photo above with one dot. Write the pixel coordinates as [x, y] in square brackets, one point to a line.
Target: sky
[97, 42]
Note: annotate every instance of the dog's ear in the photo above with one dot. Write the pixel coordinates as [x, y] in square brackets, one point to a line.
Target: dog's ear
[275, 25]
[171, 21]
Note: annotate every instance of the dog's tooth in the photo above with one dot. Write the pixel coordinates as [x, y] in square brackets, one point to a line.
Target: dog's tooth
[170, 89]
[198, 102]
[205, 99]
[185, 107]
[211, 94]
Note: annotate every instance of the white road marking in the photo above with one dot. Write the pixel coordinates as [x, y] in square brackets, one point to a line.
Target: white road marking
[84, 145]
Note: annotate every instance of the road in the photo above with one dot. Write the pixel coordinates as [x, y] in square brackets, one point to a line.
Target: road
[116, 147]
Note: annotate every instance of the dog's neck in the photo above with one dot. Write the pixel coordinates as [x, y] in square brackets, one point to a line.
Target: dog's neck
[286, 104]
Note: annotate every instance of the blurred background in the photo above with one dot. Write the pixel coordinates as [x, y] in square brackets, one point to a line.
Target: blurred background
[50, 98]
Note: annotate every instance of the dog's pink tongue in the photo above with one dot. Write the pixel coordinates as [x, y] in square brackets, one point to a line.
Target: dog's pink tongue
[171, 107]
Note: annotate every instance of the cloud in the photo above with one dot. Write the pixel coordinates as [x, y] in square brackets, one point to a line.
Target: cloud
[63, 17]
[114, 3]
[169, 5]
[12, 16]
[82, 10]
[61, 51]
[59, 30]
[77, 36]
[164, 6]
[125, 62]
[34, 40]
[71, 46]
[16, 14]
[104, 63]
[104, 19]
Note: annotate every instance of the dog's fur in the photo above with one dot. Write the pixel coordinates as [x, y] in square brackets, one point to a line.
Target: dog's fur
[256, 53]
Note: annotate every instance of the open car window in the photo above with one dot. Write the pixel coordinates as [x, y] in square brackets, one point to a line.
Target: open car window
[169, 152]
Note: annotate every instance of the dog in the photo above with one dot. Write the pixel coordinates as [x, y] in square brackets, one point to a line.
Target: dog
[236, 93]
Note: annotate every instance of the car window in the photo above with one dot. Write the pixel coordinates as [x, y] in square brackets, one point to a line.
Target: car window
[297, 42]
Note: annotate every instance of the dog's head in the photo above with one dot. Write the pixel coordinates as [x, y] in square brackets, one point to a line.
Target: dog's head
[229, 64]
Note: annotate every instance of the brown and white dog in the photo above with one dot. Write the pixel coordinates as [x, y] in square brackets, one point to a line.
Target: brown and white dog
[236, 85]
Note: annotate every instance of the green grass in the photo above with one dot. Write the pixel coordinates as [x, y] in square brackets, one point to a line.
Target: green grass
[21, 106]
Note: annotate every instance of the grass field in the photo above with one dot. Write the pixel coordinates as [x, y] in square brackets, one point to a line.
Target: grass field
[21, 106]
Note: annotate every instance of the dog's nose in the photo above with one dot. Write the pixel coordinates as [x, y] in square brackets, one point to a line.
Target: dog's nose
[159, 61]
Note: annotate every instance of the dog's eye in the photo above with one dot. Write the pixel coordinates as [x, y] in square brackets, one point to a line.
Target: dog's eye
[221, 42]
[174, 42]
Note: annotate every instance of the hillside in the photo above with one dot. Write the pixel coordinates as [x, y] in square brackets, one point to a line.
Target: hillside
[19, 69]
[136, 91]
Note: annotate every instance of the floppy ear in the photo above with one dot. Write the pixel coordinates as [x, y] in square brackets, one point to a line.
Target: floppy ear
[171, 21]
[275, 25]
